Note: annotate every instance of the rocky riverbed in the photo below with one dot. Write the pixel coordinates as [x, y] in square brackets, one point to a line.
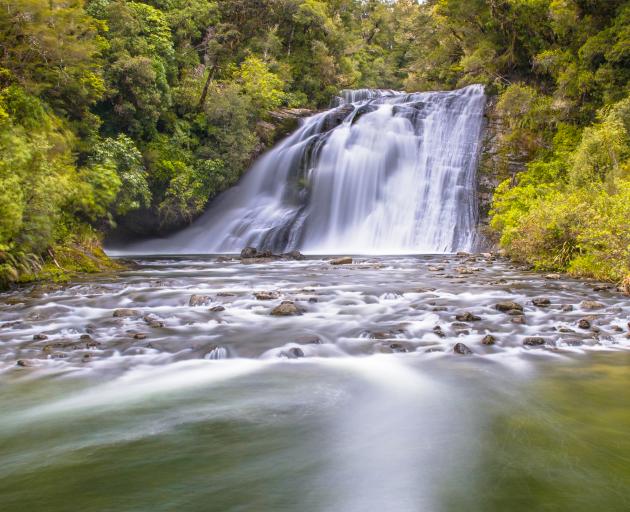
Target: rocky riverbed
[430, 306]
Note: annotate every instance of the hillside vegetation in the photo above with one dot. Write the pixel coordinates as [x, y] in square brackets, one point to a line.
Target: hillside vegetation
[118, 110]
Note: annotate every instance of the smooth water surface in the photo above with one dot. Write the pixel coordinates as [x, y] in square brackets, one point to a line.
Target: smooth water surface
[357, 404]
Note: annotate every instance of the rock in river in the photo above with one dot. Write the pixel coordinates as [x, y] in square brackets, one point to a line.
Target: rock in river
[533, 341]
[462, 349]
[508, 306]
[541, 302]
[346, 260]
[199, 300]
[592, 304]
[488, 339]
[467, 317]
[266, 295]
[287, 308]
[583, 323]
[123, 312]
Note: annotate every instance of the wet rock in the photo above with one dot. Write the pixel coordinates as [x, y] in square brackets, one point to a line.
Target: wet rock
[439, 332]
[23, 363]
[293, 353]
[533, 341]
[153, 321]
[488, 339]
[384, 335]
[287, 308]
[616, 328]
[467, 317]
[602, 287]
[266, 295]
[439, 308]
[591, 304]
[346, 260]
[508, 306]
[39, 337]
[125, 312]
[139, 336]
[462, 349]
[294, 255]
[85, 337]
[463, 253]
[226, 294]
[565, 330]
[199, 300]
[462, 332]
[541, 302]
[583, 323]
[217, 309]
[518, 319]
[60, 345]
[553, 277]
[567, 308]
[249, 252]
[89, 344]
[514, 312]
[467, 270]
[224, 259]
[435, 269]
[398, 347]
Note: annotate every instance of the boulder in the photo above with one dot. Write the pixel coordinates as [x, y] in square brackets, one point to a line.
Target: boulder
[583, 323]
[249, 252]
[467, 317]
[462, 349]
[39, 337]
[439, 332]
[294, 353]
[346, 260]
[541, 302]
[508, 306]
[294, 255]
[533, 341]
[125, 312]
[591, 304]
[199, 300]
[266, 295]
[488, 339]
[287, 308]
[217, 309]
[520, 319]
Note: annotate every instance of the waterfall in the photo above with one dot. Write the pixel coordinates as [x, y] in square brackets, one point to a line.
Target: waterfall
[381, 172]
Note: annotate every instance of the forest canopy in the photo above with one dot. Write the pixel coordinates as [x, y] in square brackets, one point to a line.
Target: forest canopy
[113, 110]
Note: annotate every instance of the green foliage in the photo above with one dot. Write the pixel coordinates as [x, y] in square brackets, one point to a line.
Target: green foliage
[570, 210]
[111, 107]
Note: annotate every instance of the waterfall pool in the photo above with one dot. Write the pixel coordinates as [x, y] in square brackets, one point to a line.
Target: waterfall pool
[123, 392]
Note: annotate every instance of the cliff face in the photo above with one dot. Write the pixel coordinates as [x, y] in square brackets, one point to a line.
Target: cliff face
[496, 164]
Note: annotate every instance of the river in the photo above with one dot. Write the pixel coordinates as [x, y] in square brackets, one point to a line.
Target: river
[357, 403]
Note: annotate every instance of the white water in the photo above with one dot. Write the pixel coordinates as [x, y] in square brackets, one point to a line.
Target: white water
[383, 172]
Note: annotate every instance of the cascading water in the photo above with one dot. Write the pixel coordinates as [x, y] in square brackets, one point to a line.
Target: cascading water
[382, 172]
